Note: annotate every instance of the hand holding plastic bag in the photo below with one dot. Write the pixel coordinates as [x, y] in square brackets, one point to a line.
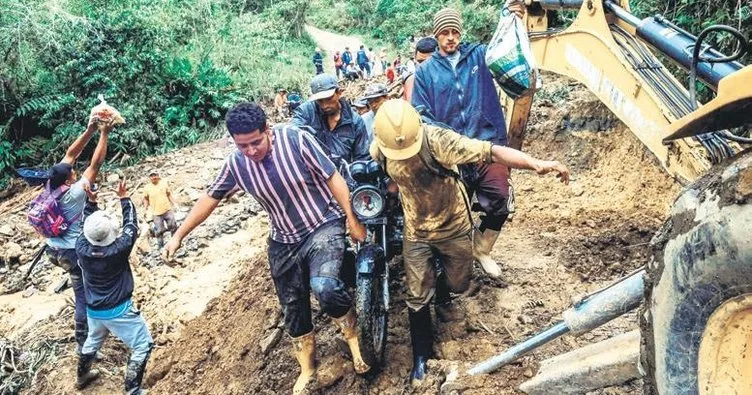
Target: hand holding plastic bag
[510, 59]
[104, 114]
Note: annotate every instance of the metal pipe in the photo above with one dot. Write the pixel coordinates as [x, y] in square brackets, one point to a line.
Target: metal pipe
[622, 14]
[561, 4]
[520, 349]
[588, 314]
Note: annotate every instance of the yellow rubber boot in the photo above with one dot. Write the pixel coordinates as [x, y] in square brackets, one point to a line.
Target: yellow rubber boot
[483, 243]
[347, 324]
[304, 348]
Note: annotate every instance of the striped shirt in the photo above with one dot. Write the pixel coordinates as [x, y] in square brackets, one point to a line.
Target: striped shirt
[290, 183]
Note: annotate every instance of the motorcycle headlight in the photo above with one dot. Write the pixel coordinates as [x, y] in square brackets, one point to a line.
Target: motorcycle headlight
[367, 202]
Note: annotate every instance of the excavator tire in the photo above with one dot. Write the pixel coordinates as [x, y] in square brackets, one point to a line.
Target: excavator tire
[696, 322]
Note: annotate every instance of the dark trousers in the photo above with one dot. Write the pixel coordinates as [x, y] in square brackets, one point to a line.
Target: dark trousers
[365, 68]
[319, 69]
[68, 260]
[314, 265]
[491, 184]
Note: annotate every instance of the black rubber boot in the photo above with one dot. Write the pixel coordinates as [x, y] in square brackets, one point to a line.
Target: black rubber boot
[421, 336]
[134, 374]
[84, 373]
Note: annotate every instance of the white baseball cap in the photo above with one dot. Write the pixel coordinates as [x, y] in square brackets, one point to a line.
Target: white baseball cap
[100, 229]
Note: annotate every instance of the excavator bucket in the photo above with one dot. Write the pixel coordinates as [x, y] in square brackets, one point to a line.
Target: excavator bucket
[732, 107]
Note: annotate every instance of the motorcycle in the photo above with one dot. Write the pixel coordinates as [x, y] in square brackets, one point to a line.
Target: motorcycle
[381, 213]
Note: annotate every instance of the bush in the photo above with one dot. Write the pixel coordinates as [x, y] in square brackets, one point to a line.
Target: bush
[171, 68]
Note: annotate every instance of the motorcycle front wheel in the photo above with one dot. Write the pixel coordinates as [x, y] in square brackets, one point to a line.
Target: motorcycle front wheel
[370, 302]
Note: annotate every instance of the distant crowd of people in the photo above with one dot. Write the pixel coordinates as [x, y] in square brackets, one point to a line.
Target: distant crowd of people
[365, 63]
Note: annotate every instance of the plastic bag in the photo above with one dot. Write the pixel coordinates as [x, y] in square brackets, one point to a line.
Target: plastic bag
[510, 59]
[106, 114]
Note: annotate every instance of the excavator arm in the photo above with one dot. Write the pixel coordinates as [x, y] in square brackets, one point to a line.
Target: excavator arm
[606, 49]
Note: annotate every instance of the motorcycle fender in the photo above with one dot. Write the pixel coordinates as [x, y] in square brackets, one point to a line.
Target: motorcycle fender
[370, 259]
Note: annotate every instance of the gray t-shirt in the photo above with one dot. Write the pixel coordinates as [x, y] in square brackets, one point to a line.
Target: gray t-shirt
[454, 59]
[368, 120]
[72, 204]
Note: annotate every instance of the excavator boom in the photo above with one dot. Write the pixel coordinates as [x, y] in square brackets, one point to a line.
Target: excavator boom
[607, 49]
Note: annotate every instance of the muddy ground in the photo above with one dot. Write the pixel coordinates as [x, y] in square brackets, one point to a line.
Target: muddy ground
[211, 315]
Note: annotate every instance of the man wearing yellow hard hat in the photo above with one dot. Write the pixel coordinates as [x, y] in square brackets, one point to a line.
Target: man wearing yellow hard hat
[422, 160]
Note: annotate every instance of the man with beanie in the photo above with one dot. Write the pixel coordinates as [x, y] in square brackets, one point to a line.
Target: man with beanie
[103, 252]
[456, 88]
[61, 250]
[332, 121]
[308, 203]
[422, 160]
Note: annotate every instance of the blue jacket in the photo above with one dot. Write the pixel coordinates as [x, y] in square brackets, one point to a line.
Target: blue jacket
[465, 99]
[108, 279]
[349, 139]
[318, 59]
[346, 57]
[362, 57]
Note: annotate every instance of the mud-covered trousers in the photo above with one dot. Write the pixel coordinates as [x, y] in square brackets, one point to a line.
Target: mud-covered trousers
[491, 184]
[67, 259]
[455, 256]
[311, 265]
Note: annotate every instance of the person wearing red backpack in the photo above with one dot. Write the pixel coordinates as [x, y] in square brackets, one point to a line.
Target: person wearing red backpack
[70, 194]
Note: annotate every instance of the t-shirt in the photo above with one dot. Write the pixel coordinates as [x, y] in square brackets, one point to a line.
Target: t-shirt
[368, 120]
[454, 59]
[72, 205]
[290, 183]
[280, 100]
[157, 194]
[434, 206]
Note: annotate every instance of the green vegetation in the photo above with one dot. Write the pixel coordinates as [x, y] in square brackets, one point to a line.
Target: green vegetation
[172, 67]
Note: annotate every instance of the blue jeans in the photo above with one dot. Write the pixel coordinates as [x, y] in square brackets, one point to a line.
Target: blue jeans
[130, 328]
[312, 265]
[68, 260]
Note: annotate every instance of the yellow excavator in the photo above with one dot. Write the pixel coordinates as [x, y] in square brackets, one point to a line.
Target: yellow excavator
[696, 291]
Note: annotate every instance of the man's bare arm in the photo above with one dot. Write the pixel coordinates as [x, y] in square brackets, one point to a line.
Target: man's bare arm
[200, 212]
[342, 194]
[520, 160]
[75, 149]
[97, 159]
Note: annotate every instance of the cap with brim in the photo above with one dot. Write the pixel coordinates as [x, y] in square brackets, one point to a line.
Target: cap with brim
[405, 153]
[323, 86]
[374, 91]
[360, 102]
[100, 229]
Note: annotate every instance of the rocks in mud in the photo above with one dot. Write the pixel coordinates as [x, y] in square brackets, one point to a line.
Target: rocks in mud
[12, 254]
[270, 341]
[7, 230]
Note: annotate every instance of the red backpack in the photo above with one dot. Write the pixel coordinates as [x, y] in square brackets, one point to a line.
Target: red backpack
[45, 214]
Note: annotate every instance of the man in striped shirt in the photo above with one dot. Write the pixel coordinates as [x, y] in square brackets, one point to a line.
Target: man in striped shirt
[308, 203]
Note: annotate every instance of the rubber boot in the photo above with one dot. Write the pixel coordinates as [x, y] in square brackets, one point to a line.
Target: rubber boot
[304, 348]
[421, 337]
[446, 310]
[134, 374]
[483, 243]
[349, 330]
[84, 374]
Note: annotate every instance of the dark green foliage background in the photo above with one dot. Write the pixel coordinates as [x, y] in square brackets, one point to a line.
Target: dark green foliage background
[171, 67]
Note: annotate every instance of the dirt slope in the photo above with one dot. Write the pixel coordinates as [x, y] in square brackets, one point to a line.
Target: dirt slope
[210, 316]
[564, 241]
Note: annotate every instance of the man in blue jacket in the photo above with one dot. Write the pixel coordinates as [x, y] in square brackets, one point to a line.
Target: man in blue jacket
[364, 62]
[347, 56]
[318, 61]
[331, 120]
[456, 88]
[103, 256]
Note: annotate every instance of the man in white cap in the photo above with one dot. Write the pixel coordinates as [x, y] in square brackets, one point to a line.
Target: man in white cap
[103, 252]
[422, 160]
[455, 87]
[332, 121]
[374, 95]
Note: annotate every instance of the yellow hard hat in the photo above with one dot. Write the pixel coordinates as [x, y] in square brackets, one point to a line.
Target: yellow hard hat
[397, 130]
